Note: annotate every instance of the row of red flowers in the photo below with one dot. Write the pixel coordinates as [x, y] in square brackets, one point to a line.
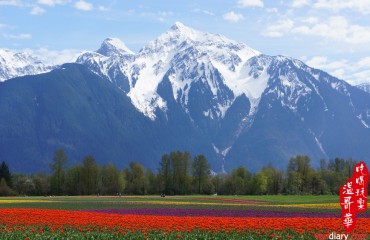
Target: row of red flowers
[60, 219]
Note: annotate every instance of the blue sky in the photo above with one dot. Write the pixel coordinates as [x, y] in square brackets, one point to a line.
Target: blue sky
[333, 35]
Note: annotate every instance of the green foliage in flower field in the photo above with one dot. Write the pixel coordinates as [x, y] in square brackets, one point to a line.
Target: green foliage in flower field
[71, 234]
[285, 203]
[291, 199]
[265, 202]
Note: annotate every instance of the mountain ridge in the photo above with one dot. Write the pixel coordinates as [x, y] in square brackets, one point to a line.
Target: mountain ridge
[195, 91]
[15, 64]
[364, 86]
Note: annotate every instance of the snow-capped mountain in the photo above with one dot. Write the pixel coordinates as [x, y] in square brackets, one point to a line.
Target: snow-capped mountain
[111, 61]
[305, 110]
[228, 89]
[364, 86]
[177, 55]
[186, 90]
[16, 64]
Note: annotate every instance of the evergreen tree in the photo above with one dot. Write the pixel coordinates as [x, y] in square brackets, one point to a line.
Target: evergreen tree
[5, 174]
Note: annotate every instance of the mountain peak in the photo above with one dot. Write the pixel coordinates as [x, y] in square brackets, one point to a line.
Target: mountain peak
[15, 64]
[178, 26]
[112, 46]
[181, 31]
[178, 34]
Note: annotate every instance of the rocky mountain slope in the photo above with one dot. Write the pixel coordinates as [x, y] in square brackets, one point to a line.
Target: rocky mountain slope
[185, 90]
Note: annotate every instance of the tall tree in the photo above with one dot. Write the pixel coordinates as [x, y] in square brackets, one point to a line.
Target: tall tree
[337, 172]
[135, 178]
[303, 170]
[58, 171]
[260, 183]
[5, 190]
[218, 181]
[201, 171]
[112, 180]
[238, 181]
[5, 174]
[274, 179]
[151, 183]
[89, 175]
[180, 163]
[174, 172]
[24, 184]
[42, 184]
[165, 173]
[74, 182]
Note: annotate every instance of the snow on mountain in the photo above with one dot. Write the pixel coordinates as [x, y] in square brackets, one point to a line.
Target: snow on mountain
[185, 55]
[16, 64]
[178, 54]
[206, 73]
[200, 91]
[112, 46]
[111, 61]
[364, 86]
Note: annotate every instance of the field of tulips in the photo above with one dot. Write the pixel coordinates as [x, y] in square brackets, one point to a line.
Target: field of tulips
[190, 217]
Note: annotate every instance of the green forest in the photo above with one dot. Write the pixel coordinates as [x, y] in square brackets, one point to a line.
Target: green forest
[178, 173]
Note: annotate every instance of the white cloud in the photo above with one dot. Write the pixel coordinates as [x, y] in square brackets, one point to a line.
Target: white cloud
[278, 29]
[354, 72]
[37, 10]
[233, 17]
[300, 3]
[159, 16]
[83, 5]
[362, 6]
[55, 57]
[338, 68]
[52, 2]
[15, 3]
[272, 10]
[364, 62]
[317, 62]
[102, 8]
[361, 77]
[311, 20]
[163, 15]
[19, 36]
[197, 10]
[250, 3]
[322, 62]
[337, 28]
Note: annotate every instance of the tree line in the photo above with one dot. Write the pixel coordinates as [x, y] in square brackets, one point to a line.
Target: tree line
[178, 174]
